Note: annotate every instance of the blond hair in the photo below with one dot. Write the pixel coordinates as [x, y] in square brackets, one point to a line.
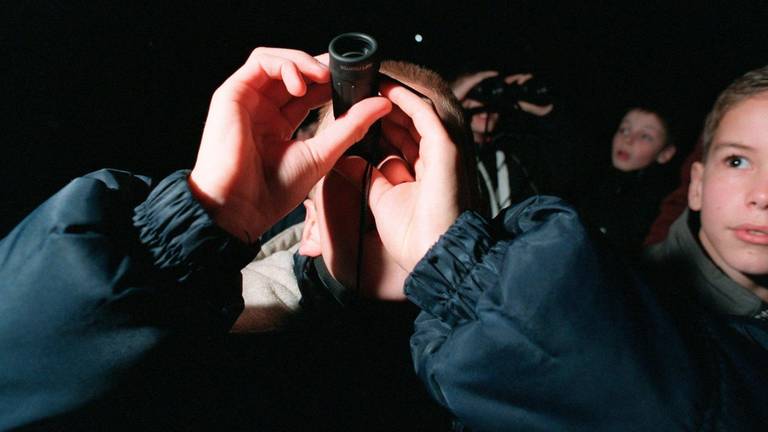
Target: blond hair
[748, 85]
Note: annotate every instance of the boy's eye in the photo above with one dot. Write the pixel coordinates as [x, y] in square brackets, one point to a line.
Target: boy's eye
[647, 137]
[734, 161]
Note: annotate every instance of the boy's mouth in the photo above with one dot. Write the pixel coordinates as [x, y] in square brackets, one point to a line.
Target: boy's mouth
[622, 155]
[752, 234]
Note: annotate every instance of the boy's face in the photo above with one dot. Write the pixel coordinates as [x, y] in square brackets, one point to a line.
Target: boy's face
[332, 227]
[332, 230]
[332, 224]
[481, 123]
[731, 191]
[640, 141]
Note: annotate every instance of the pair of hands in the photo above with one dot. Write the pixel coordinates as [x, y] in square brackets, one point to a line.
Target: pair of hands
[249, 173]
[463, 86]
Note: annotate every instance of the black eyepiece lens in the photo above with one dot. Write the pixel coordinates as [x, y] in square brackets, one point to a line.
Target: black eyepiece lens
[352, 46]
[353, 54]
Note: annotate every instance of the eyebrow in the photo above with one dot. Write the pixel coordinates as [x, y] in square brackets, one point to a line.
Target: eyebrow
[732, 145]
[627, 122]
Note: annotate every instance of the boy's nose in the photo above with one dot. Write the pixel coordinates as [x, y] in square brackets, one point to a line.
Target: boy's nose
[758, 194]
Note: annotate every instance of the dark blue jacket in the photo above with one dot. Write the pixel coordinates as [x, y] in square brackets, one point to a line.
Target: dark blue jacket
[98, 288]
[528, 325]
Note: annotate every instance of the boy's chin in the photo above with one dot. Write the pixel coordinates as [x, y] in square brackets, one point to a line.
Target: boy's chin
[626, 167]
[756, 272]
[751, 263]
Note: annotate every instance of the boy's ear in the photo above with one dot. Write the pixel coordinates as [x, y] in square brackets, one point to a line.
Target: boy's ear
[666, 154]
[695, 188]
[310, 237]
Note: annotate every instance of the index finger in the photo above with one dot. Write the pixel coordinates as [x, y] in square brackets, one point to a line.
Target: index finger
[265, 64]
[333, 139]
[425, 119]
[323, 58]
[279, 91]
[519, 79]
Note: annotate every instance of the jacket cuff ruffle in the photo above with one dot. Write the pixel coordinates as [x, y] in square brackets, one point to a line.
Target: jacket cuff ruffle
[450, 278]
[180, 235]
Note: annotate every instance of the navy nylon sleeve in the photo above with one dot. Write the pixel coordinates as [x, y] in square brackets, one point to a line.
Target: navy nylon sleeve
[438, 283]
[182, 238]
[89, 291]
[527, 326]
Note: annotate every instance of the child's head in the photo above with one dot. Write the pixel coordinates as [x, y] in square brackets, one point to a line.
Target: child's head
[730, 185]
[333, 207]
[642, 139]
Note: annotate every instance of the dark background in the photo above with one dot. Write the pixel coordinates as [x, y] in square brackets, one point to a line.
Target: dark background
[87, 85]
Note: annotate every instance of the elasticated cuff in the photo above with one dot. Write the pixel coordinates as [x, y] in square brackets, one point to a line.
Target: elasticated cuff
[180, 235]
[446, 282]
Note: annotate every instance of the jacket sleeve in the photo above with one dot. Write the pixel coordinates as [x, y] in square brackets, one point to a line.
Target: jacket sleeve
[99, 277]
[526, 325]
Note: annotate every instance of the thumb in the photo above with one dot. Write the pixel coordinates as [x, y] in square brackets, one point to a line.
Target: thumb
[379, 187]
[332, 141]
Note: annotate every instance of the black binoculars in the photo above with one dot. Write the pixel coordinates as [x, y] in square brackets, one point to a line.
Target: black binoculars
[498, 96]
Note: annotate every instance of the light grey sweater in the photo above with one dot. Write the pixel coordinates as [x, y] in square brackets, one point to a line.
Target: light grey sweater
[270, 289]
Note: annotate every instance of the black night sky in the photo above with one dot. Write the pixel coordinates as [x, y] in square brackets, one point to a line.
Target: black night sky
[87, 85]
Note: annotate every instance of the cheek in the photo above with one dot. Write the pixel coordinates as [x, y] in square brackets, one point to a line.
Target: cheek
[479, 119]
[646, 154]
[719, 199]
[724, 186]
[381, 276]
[339, 223]
[615, 142]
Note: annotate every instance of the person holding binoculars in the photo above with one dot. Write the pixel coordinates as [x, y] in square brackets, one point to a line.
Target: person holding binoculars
[112, 269]
[525, 139]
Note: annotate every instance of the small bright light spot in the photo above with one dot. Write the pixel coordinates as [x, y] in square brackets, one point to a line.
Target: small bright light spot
[418, 37]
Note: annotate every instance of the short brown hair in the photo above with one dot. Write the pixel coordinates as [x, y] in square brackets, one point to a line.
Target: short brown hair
[750, 84]
[662, 116]
[448, 108]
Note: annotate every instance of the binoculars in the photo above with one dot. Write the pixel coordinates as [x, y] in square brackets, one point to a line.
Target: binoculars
[498, 96]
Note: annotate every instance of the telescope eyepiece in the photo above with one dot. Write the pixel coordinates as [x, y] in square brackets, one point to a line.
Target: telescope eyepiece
[352, 47]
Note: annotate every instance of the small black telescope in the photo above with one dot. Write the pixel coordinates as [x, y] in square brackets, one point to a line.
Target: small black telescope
[354, 65]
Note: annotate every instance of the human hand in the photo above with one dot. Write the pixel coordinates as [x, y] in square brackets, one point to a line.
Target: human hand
[537, 110]
[414, 199]
[249, 173]
[463, 85]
